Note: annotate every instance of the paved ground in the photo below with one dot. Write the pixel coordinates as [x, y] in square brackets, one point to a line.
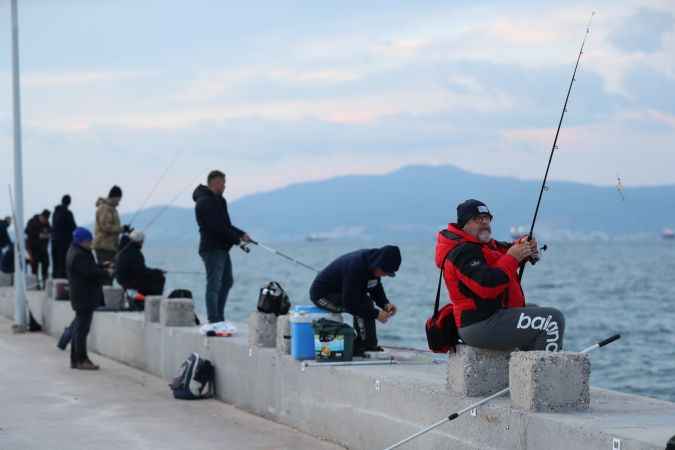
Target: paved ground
[48, 406]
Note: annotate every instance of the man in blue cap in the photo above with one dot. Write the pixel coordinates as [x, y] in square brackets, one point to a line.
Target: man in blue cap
[86, 280]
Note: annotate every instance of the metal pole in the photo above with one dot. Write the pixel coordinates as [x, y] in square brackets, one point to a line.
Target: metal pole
[20, 316]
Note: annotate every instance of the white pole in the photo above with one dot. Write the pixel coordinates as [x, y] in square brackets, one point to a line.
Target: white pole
[20, 318]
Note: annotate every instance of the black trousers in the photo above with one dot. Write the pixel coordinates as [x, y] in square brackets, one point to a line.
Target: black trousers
[80, 330]
[40, 257]
[150, 283]
[59, 251]
[366, 331]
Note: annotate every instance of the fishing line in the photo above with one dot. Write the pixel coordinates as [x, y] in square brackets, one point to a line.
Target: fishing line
[154, 188]
[555, 141]
[285, 256]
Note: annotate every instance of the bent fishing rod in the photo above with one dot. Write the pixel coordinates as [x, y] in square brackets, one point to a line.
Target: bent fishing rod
[283, 255]
[461, 412]
[555, 141]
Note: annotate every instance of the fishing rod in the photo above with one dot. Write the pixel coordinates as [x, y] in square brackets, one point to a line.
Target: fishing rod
[285, 256]
[555, 141]
[461, 412]
[156, 185]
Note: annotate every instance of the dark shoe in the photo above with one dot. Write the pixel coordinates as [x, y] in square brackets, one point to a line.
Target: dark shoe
[374, 348]
[95, 365]
[86, 365]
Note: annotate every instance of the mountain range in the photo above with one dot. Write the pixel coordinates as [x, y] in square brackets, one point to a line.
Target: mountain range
[412, 203]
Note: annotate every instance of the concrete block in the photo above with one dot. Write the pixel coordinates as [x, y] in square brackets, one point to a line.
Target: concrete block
[177, 312]
[476, 372]
[550, 381]
[113, 297]
[5, 279]
[284, 335]
[49, 288]
[151, 310]
[60, 290]
[262, 330]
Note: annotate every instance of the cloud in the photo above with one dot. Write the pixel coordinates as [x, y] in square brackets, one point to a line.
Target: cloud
[643, 31]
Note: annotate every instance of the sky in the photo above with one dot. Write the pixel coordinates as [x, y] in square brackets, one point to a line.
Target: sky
[273, 93]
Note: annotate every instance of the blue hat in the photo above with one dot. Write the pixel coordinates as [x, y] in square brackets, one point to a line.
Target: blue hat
[81, 235]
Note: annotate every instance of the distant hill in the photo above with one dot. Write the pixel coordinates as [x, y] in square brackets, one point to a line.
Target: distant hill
[413, 202]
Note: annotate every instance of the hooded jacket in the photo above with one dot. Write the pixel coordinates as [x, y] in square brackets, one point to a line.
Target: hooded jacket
[37, 235]
[351, 276]
[108, 226]
[481, 277]
[63, 224]
[216, 231]
[85, 279]
[130, 264]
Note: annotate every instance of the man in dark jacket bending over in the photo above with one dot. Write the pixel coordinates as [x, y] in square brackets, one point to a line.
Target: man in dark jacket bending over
[352, 284]
[217, 236]
[86, 294]
[131, 271]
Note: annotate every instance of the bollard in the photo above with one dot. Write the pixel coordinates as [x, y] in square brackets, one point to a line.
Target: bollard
[476, 372]
[283, 335]
[113, 297]
[176, 312]
[152, 306]
[262, 330]
[550, 381]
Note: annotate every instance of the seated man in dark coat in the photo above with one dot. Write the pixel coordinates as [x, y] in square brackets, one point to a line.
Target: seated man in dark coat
[131, 271]
[352, 284]
[86, 280]
[38, 233]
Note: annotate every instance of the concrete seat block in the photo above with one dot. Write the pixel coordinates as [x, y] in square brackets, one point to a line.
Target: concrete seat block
[113, 297]
[5, 279]
[176, 312]
[550, 381]
[284, 335]
[262, 330]
[476, 372]
[151, 308]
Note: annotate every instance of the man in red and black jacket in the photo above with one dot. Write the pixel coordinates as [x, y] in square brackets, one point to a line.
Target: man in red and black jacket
[481, 275]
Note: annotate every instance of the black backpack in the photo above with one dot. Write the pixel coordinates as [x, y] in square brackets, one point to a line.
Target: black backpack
[195, 379]
[273, 299]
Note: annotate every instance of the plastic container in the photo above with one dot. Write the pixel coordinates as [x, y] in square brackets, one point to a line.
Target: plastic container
[333, 341]
[302, 331]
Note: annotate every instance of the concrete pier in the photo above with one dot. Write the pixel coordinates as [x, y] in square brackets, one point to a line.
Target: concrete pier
[283, 344]
[151, 309]
[367, 407]
[176, 312]
[476, 372]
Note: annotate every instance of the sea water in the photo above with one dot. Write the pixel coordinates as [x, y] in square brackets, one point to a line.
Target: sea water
[602, 288]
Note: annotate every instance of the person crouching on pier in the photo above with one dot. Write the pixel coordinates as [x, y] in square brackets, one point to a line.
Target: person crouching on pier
[352, 284]
[86, 280]
[131, 271]
[481, 275]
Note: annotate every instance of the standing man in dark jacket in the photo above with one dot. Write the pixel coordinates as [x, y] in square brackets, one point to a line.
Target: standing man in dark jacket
[352, 283]
[86, 294]
[217, 236]
[5, 240]
[63, 225]
[131, 271]
[38, 232]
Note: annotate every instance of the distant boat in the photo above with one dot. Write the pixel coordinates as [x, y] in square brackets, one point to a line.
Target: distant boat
[317, 237]
[668, 233]
[519, 231]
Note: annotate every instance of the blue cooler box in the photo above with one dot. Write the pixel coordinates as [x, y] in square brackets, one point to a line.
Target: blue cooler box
[302, 331]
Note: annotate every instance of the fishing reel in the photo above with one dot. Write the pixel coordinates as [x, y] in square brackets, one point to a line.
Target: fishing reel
[244, 246]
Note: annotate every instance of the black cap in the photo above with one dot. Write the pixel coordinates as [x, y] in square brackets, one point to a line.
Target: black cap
[46, 213]
[115, 192]
[65, 200]
[469, 209]
[388, 259]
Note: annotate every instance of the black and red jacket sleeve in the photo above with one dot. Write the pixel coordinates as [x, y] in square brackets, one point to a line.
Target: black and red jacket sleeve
[487, 282]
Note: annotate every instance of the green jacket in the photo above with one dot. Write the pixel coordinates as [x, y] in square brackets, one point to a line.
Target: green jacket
[108, 226]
